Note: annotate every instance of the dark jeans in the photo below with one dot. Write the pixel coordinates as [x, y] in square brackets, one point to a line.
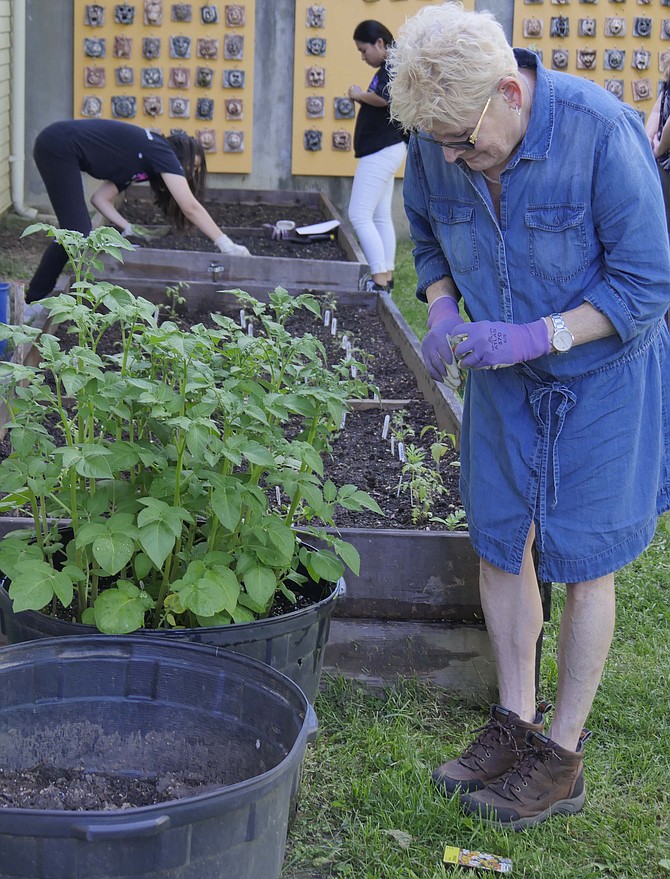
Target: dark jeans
[59, 168]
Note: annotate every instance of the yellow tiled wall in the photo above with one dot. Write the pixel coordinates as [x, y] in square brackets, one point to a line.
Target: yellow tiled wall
[162, 58]
[342, 66]
[592, 34]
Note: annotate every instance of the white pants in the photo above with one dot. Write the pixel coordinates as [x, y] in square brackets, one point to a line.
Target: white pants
[370, 206]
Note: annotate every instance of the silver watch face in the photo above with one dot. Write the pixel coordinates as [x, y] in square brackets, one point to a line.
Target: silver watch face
[562, 341]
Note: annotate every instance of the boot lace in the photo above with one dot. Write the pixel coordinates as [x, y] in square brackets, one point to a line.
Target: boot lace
[492, 733]
[532, 757]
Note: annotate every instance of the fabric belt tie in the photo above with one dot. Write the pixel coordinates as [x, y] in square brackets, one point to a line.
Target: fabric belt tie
[551, 403]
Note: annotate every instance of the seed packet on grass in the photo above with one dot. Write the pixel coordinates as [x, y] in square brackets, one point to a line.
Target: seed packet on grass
[464, 857]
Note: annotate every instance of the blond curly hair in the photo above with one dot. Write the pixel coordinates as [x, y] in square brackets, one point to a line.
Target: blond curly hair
[444, 65]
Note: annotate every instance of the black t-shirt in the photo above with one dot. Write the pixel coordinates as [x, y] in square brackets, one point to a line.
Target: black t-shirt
[374, 129]
[111, 150]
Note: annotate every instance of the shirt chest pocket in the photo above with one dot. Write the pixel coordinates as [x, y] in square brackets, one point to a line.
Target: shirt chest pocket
[557, 241]
[455, 229]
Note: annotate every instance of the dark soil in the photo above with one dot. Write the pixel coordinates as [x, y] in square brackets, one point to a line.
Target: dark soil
[59, 789]
[244, 224]
[130, 765]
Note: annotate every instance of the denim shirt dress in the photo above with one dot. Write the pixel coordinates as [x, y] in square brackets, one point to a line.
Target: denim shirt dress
[578, 444]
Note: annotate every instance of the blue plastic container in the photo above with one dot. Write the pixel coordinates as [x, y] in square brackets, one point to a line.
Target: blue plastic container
[4, 312]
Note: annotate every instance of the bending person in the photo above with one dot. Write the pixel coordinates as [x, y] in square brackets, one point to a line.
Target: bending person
[118, 154]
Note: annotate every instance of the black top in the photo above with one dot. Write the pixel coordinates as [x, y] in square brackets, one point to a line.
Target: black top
[111, 150]
[374, 129]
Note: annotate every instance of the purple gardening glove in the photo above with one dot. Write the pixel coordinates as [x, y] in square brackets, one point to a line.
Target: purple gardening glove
[487, 344]
[443, 316]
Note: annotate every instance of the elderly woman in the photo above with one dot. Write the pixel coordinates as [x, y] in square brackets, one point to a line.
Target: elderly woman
[533, 197]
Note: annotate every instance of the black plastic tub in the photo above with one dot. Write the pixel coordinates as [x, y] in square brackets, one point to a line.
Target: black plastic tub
[293, 643]
[143, 706]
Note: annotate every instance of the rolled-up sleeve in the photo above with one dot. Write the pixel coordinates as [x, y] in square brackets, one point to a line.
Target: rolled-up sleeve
[629, 217]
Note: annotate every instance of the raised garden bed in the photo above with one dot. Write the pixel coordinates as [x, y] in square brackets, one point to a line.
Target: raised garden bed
[320, 265]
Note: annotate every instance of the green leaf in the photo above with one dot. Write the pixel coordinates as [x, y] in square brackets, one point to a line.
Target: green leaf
[94, 462]
[15, 549]
[206, 592]
[324, 565]
[261, 584]
[227, 505]
[352, 498]
[197, 440]
[329, 491]
[257, 454]
[35, 584]
[122, 609]
[142, 565]
[243, 615]
[113, 551]
[349, 555]
[282, 537]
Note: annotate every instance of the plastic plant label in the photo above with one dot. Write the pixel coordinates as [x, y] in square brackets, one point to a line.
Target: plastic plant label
[401, 452]
[243, 318]
[326, 317]
[464, 857]
[385, 428]
[333, 326]
[345, 341]
[343, 421]
[250, 329]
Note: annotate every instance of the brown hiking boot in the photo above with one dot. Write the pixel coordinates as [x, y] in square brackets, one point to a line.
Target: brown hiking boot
[495, 750]
[547, 780]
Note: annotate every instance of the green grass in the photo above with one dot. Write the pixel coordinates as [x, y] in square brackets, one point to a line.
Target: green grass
[404, 291]
[367, 808]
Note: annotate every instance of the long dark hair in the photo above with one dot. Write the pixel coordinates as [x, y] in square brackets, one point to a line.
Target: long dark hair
[370, 31]
[187, 149]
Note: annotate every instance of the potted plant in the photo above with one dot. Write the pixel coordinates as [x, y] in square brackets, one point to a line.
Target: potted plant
[180, 466]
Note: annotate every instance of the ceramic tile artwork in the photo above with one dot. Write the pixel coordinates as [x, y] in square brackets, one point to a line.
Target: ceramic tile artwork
[341, 140]
[234, 108]
[326, 63]
[207, 139]
[615, 43]
[233, 141]
[315, 107]
[187, 64]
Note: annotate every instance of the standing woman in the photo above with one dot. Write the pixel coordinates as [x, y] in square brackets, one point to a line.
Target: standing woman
[118, 154]
[380, 146]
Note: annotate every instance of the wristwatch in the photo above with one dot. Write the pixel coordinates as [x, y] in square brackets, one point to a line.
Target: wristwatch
[562, 339]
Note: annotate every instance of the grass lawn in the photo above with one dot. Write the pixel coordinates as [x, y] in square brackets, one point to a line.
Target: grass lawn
[367, 807]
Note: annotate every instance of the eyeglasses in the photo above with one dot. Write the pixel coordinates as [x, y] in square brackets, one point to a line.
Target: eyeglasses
[468, 144]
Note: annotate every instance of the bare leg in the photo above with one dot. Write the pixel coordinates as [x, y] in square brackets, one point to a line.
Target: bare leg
[513, 612]
[586, 631]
